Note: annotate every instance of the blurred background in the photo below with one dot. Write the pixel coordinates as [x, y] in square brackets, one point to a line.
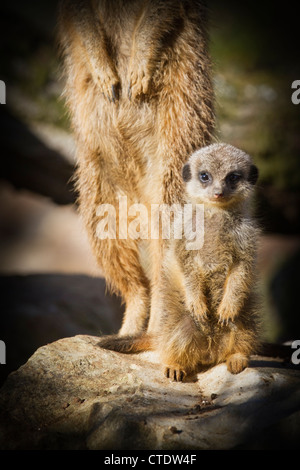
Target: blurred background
[50, 285]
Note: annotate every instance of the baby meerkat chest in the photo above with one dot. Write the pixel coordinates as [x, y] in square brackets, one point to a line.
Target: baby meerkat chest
[221, 246]
[215, 255]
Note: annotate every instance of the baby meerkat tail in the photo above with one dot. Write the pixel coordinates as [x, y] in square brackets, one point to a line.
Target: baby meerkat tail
[127, 344]
[274, 350]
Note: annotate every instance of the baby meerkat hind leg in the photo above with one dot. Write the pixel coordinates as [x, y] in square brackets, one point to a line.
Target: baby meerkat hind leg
[237, 362]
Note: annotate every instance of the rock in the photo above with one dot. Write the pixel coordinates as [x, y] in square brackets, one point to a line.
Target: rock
[42, 308]
[71, 394]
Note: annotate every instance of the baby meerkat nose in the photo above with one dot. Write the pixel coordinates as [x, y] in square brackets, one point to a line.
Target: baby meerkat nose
[218, 194]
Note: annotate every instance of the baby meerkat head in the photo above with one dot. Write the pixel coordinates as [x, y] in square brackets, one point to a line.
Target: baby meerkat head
[219, 175]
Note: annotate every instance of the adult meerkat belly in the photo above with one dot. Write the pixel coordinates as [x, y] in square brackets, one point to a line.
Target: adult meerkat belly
[120, 19]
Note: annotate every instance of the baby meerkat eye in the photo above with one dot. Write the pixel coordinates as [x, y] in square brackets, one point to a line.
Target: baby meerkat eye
[204, 177]
[234, 177]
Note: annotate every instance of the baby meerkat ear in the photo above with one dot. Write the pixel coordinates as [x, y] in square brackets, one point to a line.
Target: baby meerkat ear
[253, 175]
[186, 173]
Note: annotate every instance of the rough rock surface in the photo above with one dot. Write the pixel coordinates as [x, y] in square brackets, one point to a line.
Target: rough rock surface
[73, 395]
[42, 308]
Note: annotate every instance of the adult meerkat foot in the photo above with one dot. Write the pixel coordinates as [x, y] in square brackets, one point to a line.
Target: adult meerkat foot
[236, 363]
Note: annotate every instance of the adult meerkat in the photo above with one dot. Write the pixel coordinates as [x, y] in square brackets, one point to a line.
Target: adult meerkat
[207, 302]
[140, 96]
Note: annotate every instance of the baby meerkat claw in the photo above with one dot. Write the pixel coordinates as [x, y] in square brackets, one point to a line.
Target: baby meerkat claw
[175, 373]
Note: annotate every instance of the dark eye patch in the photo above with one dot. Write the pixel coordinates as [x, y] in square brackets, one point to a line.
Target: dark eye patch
[253, 174]
[234, 177]
[186, 173]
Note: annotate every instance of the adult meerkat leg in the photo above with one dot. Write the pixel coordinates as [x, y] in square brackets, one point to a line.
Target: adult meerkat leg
[121, 266]
[118, 258]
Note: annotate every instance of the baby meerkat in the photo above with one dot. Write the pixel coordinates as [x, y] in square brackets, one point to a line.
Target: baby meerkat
[208, 308]
[208, 311]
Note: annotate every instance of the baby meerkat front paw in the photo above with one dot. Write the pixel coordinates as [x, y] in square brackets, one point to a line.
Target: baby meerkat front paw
[199, 311]
[176, 373]
[226, 316]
